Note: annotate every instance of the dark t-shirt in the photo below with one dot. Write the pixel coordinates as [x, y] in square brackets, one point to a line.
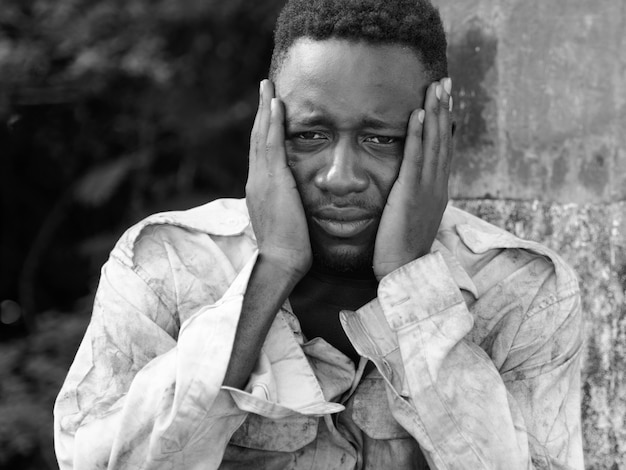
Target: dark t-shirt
[318, 299]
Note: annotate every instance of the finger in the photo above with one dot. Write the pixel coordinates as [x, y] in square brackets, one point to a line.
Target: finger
[413, 158]
[257, 117]
[445, 128]
[431, 139]
[267, 93]
[275, 148]
[255, 128]
[258, 138]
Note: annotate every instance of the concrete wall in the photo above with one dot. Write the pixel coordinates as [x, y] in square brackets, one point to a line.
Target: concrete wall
[540, 94]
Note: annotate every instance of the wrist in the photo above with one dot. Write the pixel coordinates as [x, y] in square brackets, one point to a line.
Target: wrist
[288, 270]
[382, 269]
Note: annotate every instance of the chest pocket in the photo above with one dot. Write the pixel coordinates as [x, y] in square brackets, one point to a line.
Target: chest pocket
[370, 410]
[285, 435]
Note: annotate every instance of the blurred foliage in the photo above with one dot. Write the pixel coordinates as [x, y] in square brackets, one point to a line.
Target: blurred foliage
[112, 110]
[32, 371]
[109, 110]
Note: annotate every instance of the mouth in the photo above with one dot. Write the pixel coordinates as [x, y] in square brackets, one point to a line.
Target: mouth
[342, 228]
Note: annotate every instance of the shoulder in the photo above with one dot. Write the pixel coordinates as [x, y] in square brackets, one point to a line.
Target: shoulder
[219, 218]
[191, 256]
[527, 296]
[492, 256]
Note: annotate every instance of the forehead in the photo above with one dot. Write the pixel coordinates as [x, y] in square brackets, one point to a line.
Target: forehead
[351, 81]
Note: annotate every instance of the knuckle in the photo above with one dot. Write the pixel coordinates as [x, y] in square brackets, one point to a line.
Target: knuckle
[435, 150]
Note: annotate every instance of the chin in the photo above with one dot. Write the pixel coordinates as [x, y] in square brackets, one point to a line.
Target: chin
[344, 260]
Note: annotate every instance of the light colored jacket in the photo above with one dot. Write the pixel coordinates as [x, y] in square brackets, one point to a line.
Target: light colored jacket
[477, 350]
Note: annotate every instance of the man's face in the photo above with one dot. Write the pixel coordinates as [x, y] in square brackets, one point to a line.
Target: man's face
[347, 107]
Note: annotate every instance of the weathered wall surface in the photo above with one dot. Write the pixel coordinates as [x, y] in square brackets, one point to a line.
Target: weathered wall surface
[540, 95]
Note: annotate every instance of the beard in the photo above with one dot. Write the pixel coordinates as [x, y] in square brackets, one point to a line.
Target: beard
[350, 260]
[355, 261]
[344, 261]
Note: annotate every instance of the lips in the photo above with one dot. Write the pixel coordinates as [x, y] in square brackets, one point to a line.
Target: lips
[342, 229]
[343, 222]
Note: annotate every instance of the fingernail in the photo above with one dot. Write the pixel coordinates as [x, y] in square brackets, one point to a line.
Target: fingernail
[274, 105]
[447, 85]
[438, 91]
[420, 116]
[450, 104]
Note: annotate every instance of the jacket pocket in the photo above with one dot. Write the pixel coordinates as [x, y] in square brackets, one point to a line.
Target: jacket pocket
[371, 413]
[285, 435]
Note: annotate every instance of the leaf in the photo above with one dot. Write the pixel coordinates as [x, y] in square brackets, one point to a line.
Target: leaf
[96, 187]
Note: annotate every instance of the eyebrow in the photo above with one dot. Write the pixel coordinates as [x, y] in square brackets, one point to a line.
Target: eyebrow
[309, 121]
[374, 123]
[366, 122]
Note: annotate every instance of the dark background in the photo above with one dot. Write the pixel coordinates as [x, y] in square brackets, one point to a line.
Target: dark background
[109, 111]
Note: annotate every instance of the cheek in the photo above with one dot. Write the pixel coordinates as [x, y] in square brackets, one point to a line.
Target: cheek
[305, 166]
[303, 173]
[384, 175]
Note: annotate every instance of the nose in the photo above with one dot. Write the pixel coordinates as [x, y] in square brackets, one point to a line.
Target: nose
[343, 171]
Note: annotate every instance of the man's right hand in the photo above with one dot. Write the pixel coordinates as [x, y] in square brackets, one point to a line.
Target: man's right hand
[282, 235]
[272, 197]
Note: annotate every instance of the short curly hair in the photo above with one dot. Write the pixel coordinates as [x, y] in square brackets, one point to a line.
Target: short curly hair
[412, 23]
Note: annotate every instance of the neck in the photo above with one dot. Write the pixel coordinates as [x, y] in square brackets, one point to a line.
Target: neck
[321, 270]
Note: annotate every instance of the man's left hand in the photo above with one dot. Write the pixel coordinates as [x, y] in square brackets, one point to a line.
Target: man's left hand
[419, 196]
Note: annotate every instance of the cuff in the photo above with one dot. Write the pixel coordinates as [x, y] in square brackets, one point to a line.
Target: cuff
[417, 291]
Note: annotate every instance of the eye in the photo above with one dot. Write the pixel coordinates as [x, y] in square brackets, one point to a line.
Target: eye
[306, 141]
[384, 146]
[310, 135]
[382, 140]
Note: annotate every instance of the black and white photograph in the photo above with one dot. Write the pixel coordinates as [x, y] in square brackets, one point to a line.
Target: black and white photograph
[312, 235]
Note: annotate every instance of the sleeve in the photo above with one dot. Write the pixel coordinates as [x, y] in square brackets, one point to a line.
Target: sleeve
[446, 390]
[141, 392]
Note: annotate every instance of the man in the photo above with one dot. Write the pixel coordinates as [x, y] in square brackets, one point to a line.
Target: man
[340, 317]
